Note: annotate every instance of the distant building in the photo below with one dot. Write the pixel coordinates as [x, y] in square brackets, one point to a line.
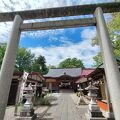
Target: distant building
[62, 78]
[82, 81]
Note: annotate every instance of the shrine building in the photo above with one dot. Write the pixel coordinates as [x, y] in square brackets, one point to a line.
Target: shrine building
[62, 78]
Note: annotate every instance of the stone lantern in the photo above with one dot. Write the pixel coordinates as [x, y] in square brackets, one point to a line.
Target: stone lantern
[81, 100]
[93, 108]
[29, 94]
[27, 111]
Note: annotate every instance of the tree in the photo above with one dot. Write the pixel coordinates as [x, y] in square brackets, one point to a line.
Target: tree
[71, 63]
[2, 52]
[97, 59]
[114, 32]
[24, 59]
[39, 65]
[51, 66]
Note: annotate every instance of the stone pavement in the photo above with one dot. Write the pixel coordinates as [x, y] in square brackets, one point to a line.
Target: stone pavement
[9, 113]
[65, 108]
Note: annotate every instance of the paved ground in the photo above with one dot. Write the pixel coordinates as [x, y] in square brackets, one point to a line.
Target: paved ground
[65, 108]
[9, 114]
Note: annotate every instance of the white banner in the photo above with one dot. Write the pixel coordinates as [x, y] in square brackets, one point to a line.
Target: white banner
[25, 75]
[23, 83]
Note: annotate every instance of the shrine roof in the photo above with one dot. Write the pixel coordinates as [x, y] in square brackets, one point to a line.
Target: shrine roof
[86, 71]
[57, 72]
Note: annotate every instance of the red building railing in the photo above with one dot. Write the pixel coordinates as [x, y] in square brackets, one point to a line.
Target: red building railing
[102, 105]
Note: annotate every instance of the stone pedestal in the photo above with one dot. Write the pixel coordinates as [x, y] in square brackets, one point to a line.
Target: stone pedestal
[27, 114]
[94, 112]
[27, 118]
[81, 101]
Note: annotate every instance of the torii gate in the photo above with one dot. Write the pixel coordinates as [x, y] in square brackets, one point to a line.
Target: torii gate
[111, 68]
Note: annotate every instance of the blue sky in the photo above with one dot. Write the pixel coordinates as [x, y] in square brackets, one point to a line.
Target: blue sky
[54, 39]
[55, 45]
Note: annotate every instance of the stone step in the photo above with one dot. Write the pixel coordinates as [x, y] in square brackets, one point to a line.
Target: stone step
[94, 118]
[97, 118]
[101, 119]
[111, 119]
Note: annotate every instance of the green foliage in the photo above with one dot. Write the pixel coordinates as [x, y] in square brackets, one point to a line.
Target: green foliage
[51, 66]
[24, 59]
[78, 94]
[39, 65]
[42, 101]
[97, 59]
[71, 63]
[19, 107]
[114, 23]
[117, 48]
[2, 52]
[114, 32]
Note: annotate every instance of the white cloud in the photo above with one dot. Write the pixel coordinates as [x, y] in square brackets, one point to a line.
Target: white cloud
[43, 33]
[5, 31]
[17, 5]
[88, 33]
[94, 1]
[82, 50]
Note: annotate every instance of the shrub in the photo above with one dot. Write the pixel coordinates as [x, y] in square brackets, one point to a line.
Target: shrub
[42, 101]
[78, 94]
